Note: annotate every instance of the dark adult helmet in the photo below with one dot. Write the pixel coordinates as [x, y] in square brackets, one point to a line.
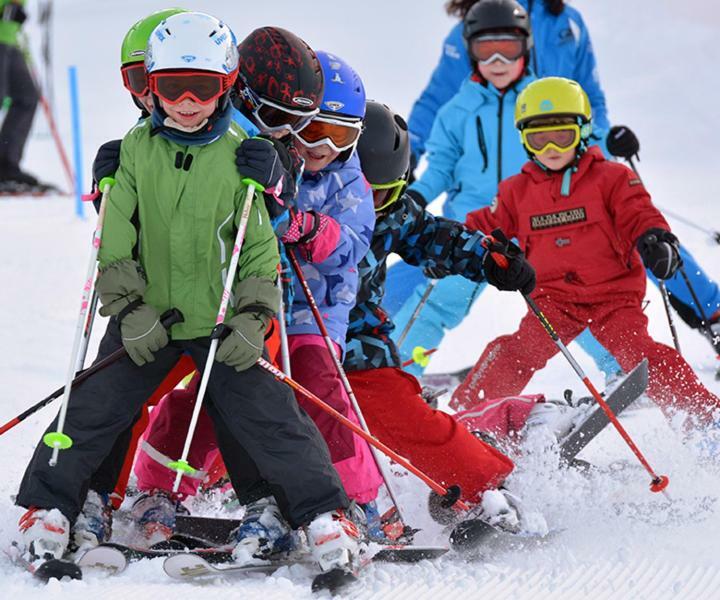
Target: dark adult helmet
[280, 67]
[384, 146]
[496, 15]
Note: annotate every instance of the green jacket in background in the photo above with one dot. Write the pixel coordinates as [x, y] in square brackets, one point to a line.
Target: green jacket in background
[187, 221]
[9, 29]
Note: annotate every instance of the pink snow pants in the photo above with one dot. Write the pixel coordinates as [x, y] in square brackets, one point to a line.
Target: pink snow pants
[313, 368]
[164, 439]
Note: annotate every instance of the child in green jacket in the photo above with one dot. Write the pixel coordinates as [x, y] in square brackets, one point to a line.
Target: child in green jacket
[170, 224]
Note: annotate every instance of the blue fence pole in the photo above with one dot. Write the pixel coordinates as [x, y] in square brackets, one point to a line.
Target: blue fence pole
[77, 141]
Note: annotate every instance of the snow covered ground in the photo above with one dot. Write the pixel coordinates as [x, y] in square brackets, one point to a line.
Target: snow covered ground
[613, 537]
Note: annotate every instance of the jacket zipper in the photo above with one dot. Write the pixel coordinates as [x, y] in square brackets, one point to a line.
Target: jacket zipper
[500, 130]
[481, 142]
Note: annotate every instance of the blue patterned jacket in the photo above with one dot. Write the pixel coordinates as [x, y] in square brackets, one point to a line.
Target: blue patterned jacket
[421, 239]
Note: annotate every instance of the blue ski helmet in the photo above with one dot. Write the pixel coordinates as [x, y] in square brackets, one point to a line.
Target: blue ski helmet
[344, 94]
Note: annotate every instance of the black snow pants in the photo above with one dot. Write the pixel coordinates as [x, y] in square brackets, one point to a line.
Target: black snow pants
[15, 83]
[257, 419]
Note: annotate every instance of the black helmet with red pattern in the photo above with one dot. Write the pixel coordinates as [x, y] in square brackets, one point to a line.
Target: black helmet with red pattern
[280, 83]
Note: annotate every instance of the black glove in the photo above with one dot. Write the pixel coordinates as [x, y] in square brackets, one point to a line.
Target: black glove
[418, 197]
[435, 272]
[107, 161]
[517, 275]
[14, 12]
[659, 252]
[106, 164]
[413, 166]
[622, 142]
[257, 158]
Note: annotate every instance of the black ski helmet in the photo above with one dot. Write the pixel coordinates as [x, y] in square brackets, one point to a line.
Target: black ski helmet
[384, 145]
[496, 15]
[279, 66]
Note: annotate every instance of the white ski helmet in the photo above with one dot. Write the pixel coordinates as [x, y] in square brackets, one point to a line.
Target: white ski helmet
[192, 40]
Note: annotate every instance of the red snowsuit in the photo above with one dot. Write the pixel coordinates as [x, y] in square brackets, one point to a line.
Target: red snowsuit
[589, 274]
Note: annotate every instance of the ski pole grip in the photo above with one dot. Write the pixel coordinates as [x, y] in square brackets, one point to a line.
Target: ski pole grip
[489, 242]
[171, 317]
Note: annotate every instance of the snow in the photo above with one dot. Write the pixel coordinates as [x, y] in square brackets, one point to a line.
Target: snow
[611, 536]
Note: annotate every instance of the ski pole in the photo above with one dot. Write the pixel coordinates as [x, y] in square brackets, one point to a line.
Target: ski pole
[87, 331]
[386, 475]
[57, 440]
[705, 323]
[284, 349]
[499, 247]
[420, 356]
[416, 313]
[50, 118]
[168, 319]
[671, 322]
[181, 465]
[451, 493]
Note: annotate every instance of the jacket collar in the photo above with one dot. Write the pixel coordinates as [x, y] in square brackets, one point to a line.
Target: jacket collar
[538, 174]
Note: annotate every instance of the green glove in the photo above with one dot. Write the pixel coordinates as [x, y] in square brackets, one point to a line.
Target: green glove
[120, 287]
[142, 334]
[244, 345]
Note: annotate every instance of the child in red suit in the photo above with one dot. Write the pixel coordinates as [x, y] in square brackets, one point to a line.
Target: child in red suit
[585, 224]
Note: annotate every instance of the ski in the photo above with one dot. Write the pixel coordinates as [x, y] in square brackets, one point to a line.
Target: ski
[468, 536]
[409, 554]
[104, 557]
[629, 390]
[54, 568]
[334, 580]
[113, 557]
[188, 565]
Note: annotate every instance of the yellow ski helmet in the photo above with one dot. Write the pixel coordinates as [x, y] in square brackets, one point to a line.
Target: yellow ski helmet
[552, 96]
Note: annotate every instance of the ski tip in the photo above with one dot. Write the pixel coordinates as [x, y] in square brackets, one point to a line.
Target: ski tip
[333, 580]
[57, 569]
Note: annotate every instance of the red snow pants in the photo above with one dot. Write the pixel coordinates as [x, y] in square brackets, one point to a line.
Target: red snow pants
[430, 439]
[508, 362]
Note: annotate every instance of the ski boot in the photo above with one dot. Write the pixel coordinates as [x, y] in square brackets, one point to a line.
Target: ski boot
[45, 534]
[94, 523]
[334, 541]
[558, 417]
[499, 514]
[154, 514]
[263, 533]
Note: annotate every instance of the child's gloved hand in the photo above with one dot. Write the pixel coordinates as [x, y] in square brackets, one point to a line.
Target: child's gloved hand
[107, 161]
[142, 333]
[518, 276]
[622, 142]
[244, 345]
[257, 158]
[435, 272]
[315, 234]
[15, 12]
[659, 252]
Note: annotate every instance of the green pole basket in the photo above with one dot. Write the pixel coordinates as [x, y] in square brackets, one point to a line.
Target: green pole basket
[181, 466]
[420, 356]
[55, 439]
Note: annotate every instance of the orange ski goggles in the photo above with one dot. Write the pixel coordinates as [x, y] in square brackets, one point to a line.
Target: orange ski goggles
[135, 79]
[202, 87]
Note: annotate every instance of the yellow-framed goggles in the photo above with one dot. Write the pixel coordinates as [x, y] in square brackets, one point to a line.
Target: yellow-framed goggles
[558, 137]
[385, 194]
